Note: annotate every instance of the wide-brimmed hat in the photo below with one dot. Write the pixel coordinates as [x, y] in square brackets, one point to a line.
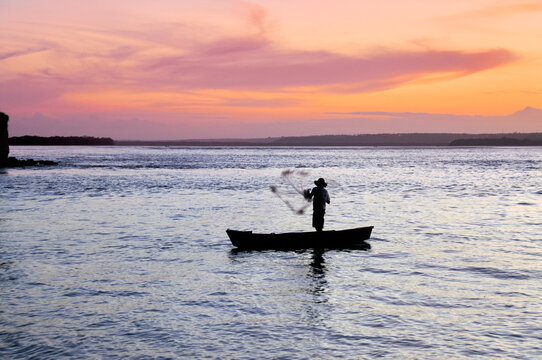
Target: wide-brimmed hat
[320, 182]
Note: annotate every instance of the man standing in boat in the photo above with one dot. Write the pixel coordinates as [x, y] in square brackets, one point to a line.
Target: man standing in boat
[320, 198]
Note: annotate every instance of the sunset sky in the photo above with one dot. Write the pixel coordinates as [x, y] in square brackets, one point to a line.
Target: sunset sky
[177, 69]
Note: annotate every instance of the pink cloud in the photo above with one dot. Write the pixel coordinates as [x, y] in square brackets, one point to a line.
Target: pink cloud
[252, 63]
[256, 16]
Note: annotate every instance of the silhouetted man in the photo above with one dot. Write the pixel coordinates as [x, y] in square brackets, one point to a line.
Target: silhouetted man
[320, 198]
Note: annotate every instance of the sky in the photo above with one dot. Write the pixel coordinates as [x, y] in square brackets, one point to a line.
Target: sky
[179, 69]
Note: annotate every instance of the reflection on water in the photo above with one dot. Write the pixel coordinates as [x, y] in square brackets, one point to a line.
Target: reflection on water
[122, 253]
[318, 275]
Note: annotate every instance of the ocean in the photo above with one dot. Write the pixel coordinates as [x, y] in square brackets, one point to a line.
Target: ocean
[121, 253]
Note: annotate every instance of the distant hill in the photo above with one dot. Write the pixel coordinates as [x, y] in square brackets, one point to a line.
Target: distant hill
[411, 140]
[370, 140]
[352, 140]
[503, 141]
[59, 140]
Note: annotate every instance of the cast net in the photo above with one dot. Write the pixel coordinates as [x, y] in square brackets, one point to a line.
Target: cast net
[293, 184]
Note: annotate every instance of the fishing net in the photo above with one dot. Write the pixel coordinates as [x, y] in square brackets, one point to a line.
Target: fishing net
[297, 182]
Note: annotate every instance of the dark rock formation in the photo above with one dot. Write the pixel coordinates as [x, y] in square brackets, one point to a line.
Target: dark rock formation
[4, 145]
[13, 162]
[5, 160]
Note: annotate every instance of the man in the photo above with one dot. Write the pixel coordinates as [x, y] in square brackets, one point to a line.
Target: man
[320, 198]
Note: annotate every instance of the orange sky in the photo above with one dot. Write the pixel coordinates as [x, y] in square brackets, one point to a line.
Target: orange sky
[175, 69]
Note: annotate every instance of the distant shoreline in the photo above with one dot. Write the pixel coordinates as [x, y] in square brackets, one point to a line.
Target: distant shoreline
[413, 139]
[59, 140]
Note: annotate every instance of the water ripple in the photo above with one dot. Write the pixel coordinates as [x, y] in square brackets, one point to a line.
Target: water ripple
[496, 273]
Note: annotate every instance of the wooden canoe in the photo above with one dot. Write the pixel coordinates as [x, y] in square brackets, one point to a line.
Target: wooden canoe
[332, 239]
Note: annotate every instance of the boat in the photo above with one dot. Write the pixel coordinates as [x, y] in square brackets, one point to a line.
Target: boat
[330, 239]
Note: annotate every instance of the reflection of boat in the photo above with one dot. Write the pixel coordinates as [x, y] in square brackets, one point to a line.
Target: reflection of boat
[333, 239]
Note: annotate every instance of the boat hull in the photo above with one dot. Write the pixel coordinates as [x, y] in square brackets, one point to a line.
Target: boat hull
[333, 239]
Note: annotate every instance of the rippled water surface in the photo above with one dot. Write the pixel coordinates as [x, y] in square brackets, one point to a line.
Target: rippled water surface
[121, 252]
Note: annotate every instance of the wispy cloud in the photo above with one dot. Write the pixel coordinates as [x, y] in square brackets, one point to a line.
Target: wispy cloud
[11, 54]
[258, 17]
[254, 64]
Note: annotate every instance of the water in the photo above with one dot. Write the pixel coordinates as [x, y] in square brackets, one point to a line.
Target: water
[121, 252]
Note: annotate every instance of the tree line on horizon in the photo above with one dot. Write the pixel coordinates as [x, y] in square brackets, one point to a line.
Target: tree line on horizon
[60, 140]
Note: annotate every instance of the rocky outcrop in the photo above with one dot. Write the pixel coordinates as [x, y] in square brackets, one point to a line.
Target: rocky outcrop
[5, 160]
[13, 162]
[4, 145]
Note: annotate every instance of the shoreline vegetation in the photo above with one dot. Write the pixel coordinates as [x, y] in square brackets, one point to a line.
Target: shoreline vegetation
[59, 140]
[413, 139]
